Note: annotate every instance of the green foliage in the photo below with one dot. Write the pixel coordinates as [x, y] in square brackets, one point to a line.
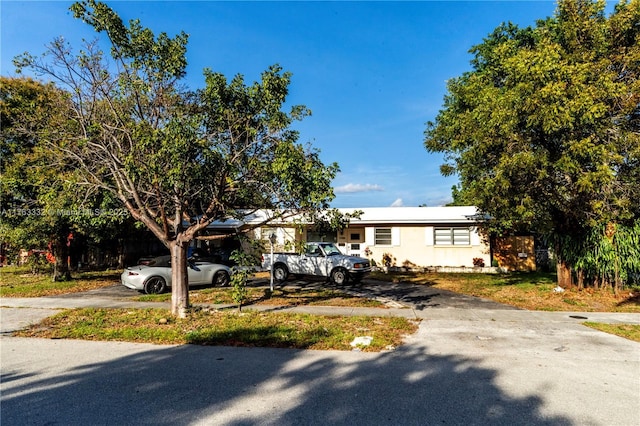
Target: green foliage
[239, 285]
[40, 202]
[543, 132]
[458, 197]
[606, 255]
[176, 160]
[264, 167]
[297, 246]
[240, 275]
[333, 220]
[37, 263]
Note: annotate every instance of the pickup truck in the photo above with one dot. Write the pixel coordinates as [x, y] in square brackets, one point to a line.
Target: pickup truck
[318, 259]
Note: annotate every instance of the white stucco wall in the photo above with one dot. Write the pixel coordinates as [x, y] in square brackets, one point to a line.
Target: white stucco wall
[415, 244]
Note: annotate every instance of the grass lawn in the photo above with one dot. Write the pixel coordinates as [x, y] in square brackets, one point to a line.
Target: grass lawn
[628, 331]
[211, 327]
[20, 282]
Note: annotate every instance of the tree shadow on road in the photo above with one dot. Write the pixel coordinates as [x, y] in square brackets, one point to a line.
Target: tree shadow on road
[179, 385]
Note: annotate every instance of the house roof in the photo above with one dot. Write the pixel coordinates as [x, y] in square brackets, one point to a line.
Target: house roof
[375, 215]
[253, 218]
[415, 215]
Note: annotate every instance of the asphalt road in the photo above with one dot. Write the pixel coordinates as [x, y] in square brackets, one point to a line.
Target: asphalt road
[464, 366]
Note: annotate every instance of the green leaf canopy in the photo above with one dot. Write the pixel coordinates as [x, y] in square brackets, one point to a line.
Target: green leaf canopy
[544, 131]
[177, 159]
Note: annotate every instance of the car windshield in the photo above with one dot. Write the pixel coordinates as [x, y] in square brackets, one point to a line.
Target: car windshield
[330, 249]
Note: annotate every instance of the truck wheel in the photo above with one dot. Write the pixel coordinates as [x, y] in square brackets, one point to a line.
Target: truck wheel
[280, 272]
[339, 276]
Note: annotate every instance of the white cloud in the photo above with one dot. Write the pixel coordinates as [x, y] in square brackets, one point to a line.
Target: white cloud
[397, 203]
[357, 187]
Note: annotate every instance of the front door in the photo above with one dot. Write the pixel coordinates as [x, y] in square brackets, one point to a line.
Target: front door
[354, 249]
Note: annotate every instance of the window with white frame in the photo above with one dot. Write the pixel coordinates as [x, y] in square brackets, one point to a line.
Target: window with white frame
[383, 237]
[452, 236]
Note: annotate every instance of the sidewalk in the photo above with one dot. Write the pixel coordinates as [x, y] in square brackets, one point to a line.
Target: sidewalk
[17, 313]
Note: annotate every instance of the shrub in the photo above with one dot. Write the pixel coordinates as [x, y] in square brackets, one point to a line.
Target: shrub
[239, 276]
[478, 261]
[408, 264]
[388, 260]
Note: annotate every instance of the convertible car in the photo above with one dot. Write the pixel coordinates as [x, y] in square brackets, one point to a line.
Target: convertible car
[155, 276]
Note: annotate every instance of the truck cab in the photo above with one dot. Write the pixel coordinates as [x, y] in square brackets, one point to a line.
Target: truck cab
[319, 259]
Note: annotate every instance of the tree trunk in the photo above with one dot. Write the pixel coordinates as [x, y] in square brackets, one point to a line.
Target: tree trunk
[179, 279]
[121, 253]
[564, 275]
[61, 270]
[580, 278]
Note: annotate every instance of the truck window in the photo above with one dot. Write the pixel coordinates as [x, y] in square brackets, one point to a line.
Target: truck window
[331, 249]
[313, 250]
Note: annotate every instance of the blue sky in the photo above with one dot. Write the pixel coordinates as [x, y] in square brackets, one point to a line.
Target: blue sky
[373, 73]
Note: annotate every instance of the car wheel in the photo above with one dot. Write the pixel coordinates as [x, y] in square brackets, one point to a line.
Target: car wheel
[339, 276]
[221, 279]
[155, 285]
[280, 272]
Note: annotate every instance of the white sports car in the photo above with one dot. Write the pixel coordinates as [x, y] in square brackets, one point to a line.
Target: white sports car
[155, 277]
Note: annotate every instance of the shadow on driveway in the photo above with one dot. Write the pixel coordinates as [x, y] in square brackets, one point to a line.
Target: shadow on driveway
[415, 296]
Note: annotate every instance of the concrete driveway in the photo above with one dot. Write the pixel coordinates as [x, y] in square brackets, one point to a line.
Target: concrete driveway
[401, 294]
[421, 297]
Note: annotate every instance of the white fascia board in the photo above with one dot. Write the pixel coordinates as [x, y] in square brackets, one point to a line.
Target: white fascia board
[415, 215]
[254, 218]
[371, 216]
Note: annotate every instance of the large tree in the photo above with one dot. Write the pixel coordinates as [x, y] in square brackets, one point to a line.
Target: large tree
[40, 206]
[178, 160]
[32, 195]
[544, 131]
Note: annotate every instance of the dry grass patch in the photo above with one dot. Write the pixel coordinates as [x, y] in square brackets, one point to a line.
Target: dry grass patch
[533, 291]
[316, 297]
[279, 297]
[211, 327]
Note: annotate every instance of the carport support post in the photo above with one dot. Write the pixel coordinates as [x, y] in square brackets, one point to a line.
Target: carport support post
[272, 240]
